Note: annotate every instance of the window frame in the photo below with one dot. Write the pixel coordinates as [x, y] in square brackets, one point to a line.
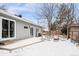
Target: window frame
[32, 31]
[9, 29]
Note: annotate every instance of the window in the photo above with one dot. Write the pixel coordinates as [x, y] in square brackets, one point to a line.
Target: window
[12, 29]
[31, 31]
[4, 28]
[25, 27]
[7, 28]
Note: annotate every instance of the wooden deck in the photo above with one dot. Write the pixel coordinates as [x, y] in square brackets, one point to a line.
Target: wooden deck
[21, 46]
[10, 50]
[7, 42]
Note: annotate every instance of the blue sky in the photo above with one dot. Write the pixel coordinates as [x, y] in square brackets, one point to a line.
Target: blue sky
[27, 10]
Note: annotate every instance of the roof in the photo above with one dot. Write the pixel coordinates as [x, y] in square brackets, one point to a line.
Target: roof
[74, 25]
[18, 18]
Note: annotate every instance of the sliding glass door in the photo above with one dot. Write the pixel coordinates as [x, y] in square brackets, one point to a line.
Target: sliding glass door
[8, 28]
[5, 28]
[12, 29]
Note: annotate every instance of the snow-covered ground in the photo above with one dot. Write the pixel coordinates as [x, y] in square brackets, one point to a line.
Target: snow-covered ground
[46, 48]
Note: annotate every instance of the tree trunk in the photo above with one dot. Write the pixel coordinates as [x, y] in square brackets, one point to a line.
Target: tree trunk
[49, 27]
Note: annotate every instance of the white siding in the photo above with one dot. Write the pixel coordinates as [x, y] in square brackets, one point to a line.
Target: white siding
[34, 30]
[21, 33]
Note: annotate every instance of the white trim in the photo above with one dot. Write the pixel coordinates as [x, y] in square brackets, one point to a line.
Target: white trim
[14, 30]
[0, 28]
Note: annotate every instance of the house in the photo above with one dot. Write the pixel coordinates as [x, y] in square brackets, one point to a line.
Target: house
[73, 32]
[14, 27]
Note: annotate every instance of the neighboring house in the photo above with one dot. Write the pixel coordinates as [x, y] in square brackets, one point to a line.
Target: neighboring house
[73, 32]
[14, 27]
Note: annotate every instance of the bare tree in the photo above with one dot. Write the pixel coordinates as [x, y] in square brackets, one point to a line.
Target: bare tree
[63, 13]
[47, 12]
[66, 15]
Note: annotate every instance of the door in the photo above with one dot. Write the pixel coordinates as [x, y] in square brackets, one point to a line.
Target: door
[12, 27]
[8, 28]
[31, 32]
[5, 28]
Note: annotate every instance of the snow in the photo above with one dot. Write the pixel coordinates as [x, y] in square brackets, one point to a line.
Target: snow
[46, 48]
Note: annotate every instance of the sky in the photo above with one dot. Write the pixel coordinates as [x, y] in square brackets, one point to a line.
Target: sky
[28, 10]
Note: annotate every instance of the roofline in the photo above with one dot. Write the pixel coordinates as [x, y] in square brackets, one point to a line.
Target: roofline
[18, 18]
[73, 25]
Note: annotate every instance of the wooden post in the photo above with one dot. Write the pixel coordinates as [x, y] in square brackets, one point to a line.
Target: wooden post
[72, 35]
[78, 35]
